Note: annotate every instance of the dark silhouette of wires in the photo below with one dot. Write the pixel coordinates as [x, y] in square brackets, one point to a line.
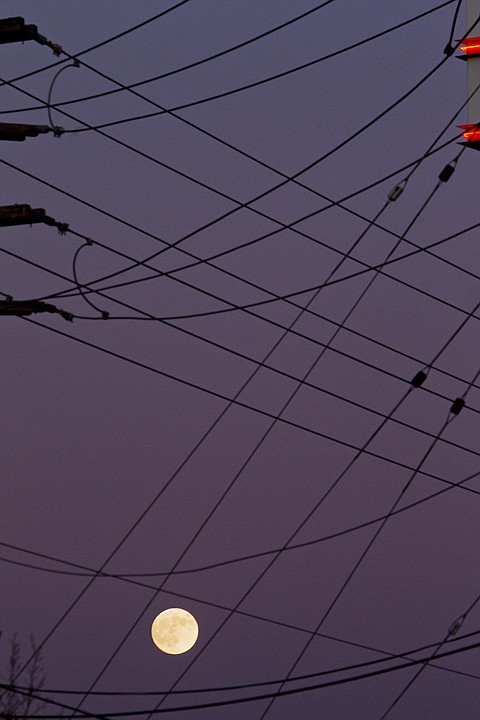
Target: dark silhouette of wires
[247, 686]
[85, 571]
[214, 57]
[236, 701]
[248, 204]
[98, 45]
[261, 440]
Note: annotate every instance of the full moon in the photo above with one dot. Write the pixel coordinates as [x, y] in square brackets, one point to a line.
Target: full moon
[174, 631]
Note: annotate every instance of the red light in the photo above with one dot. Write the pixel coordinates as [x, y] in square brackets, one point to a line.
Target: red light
[472, 132]
[471, 46]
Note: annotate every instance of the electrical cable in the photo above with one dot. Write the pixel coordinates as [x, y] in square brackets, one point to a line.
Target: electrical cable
[449, 50]
[221, 54]
[244, 686]
[287, 179]
[291, 226]
[392, 196]
[275, 297]
[266, 192]
[207, 261]
[83, 342]
[267, 620]
[453, 628]
[285, 297]
[147, 316]
[236, 701]
[147, 509]
[315, 213]
[89, 572]
[450, 417]
[295, 181]
[291, 396]
[98, 45]
[74, 64]
[249, 86]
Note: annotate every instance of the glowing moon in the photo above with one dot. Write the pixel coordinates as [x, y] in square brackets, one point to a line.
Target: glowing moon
[174, 631]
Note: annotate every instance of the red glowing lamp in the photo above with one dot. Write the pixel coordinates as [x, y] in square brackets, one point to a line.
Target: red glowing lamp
[472, 132]
[471, 46]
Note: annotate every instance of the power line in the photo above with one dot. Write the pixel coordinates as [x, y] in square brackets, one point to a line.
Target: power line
[248, 204]
[98, 45]
[244, 686]
[287, 297]
[252, 453]
[249, 86]
[237, 353]
[236, 701]
[89, 572]
[157, 496]
[216, 56]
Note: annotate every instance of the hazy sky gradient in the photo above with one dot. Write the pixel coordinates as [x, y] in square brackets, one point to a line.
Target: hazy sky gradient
[91, 439]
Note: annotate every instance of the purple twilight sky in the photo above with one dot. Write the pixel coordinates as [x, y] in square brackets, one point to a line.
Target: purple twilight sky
[240, 437]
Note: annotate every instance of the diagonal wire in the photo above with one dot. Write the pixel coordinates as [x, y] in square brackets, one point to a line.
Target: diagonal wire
[260, 442]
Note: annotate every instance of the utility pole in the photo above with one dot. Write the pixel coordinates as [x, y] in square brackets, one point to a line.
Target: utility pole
[471, 48]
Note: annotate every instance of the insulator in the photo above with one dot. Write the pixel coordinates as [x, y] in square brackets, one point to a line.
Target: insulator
[446, 173]
[395, 193]
[457, 406]
[456, 625]
[419, 379]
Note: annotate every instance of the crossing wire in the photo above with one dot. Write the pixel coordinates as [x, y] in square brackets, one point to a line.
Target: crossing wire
[236, 701]
[162, 110]
[189, 66]
[310, 166]
[257, 446]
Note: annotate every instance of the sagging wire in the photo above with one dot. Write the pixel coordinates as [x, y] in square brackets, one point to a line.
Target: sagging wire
[137, 578]
[104, 315]
[392, 197]
[57, 131]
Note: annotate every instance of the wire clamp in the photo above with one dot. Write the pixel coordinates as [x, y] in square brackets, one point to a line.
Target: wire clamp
[57, 49]
[456, 625]
[62, 228]
[457, 406]
[419, 379]
[395, 193]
